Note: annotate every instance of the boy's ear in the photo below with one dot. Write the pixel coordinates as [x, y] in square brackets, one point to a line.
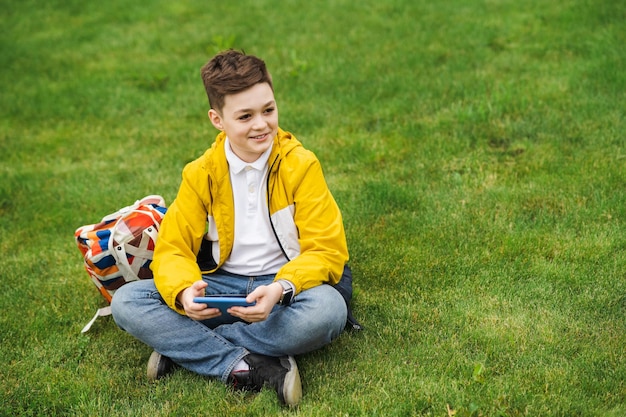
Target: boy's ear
[216, 119]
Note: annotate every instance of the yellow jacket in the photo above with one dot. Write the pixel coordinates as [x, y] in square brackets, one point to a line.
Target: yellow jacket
[305, 217]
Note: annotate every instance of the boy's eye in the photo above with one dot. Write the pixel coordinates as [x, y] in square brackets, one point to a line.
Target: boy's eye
[247, 116]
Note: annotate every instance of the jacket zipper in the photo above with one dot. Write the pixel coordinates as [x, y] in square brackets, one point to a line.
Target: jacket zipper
[269, 214]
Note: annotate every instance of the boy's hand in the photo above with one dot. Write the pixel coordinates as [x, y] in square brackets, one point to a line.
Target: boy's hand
[266, 297]
[196, 311]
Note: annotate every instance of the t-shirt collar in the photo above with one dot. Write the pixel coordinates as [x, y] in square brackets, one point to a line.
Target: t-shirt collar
[237, 165]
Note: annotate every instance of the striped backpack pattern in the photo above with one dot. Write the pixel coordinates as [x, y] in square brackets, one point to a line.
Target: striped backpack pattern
[120, 247]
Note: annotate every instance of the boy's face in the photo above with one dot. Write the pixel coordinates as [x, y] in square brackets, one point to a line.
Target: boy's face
[250, 120]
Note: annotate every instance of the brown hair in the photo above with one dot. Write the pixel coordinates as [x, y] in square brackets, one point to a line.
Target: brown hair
[231, 72]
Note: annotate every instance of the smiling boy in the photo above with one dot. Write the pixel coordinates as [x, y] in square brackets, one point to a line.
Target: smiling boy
[252, 216]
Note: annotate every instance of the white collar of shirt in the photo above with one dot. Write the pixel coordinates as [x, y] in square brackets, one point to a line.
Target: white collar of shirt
[236, 165]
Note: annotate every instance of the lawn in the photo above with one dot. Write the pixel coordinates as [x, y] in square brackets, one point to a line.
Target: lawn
[476, 149]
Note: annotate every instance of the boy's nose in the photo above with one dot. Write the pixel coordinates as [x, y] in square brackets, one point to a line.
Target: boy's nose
[259, 122]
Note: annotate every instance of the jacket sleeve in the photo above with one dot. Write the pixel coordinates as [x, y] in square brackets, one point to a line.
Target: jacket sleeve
[174, 265]
[323, 246]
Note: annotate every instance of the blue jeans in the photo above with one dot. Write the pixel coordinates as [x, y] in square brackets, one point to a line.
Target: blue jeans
[213, 347]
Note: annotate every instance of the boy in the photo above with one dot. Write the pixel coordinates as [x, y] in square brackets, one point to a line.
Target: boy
[253, 216]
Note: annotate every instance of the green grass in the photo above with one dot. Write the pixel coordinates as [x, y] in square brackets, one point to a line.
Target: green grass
[476, 148]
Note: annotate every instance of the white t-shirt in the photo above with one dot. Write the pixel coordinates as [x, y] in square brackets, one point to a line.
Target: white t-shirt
[255, 249]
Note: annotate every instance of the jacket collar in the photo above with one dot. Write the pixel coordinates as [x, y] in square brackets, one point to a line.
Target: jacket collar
[284, 142]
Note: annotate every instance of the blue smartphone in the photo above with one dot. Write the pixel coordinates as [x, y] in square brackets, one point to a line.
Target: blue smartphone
[223, 302]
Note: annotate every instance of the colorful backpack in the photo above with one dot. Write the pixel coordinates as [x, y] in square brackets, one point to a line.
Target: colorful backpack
[119, 248]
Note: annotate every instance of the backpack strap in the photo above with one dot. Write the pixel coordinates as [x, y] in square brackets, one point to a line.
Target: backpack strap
[149, 234]
[104, 311]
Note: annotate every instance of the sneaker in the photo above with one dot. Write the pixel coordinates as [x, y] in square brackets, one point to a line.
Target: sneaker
[281, 374]
[159, 366]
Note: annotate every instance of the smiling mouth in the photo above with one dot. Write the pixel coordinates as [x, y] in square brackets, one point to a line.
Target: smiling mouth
[260, 137]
